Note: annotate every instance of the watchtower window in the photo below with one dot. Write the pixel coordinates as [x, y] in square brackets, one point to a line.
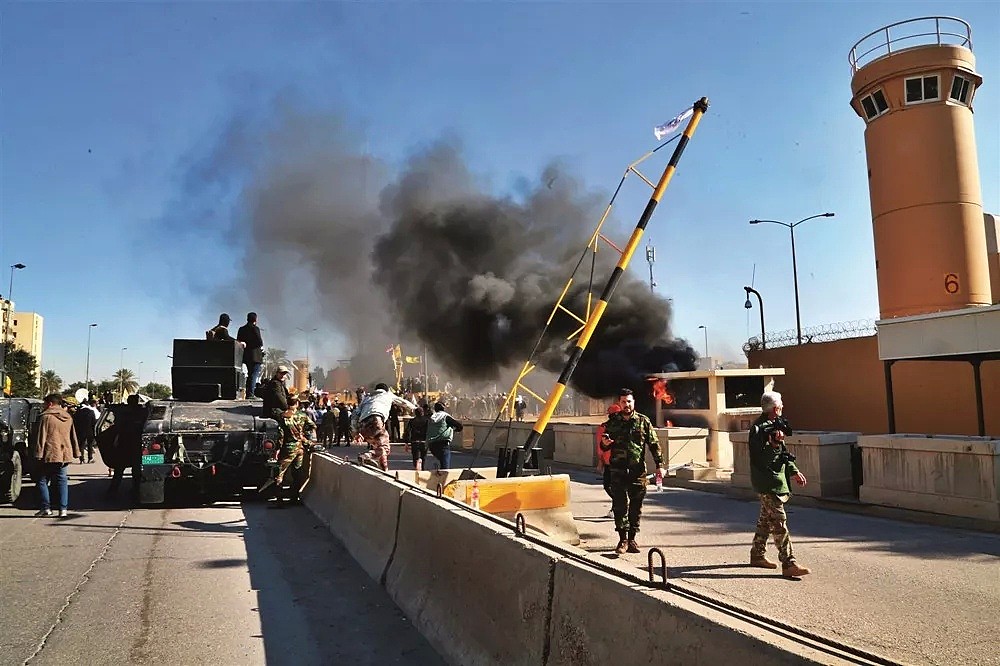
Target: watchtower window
[922, 89]
[961, 89]
[874, 104]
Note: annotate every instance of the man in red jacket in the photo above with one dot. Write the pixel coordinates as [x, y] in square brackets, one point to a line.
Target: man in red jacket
[55, 448]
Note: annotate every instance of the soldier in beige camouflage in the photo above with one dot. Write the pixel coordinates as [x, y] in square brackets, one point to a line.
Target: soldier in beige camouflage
[294, 427]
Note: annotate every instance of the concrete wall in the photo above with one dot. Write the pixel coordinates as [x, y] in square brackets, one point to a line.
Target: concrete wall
[840, 386]
[823, 457]
[525, 603]
[958, 476]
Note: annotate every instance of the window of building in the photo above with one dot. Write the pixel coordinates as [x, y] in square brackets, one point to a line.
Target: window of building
[690, 393]
[961, 89]
[922, 89]
[874, 104]
[742, 392]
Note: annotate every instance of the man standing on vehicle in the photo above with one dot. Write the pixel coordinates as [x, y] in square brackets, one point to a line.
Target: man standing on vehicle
[771, 465]
[55, 448]
[627, 435]
[275, 395]
[369, 421]
[253, 352]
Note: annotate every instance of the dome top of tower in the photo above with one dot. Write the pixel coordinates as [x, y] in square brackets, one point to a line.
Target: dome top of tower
[911, 33]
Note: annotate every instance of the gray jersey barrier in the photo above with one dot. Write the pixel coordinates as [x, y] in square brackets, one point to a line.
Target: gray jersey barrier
[481, 595]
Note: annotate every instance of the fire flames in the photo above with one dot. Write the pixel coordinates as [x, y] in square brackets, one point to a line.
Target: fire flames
[661, 391]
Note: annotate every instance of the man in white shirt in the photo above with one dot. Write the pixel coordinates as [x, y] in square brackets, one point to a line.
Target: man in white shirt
[369, 421]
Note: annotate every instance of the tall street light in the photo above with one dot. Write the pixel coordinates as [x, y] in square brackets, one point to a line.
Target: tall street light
[90, 329]
[795, 274]
[706, 340]
[307, 332]
[10, 313]
[748, 305]
[121, 374]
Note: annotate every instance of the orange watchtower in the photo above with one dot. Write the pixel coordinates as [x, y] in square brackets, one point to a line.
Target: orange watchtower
[913, 84]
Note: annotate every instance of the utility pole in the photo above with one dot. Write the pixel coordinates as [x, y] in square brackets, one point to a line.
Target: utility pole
[650, 257]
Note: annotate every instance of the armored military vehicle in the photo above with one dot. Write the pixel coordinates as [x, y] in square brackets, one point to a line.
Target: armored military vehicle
[18, 423]
[203, 440]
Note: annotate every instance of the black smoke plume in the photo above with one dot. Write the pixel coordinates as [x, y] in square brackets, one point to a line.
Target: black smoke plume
[325, 239]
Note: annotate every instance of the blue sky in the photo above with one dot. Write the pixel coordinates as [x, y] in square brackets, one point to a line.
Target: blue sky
[102, 101]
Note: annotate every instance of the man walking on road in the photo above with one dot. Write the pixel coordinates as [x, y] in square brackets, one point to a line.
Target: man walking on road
[627, 435]
[770, 466]
[55, 448]
[369, 421]
[84, 422]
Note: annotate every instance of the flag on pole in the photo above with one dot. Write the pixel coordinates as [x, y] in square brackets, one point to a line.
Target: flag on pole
[413, 359]
[669, 127]
[389, 349]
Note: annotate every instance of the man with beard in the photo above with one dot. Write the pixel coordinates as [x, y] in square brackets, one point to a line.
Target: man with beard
[627, 435]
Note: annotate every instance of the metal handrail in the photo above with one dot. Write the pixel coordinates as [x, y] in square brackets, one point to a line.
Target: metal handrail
[884, 47]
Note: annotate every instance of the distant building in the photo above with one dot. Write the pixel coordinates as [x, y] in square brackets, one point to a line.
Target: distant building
[25, 331]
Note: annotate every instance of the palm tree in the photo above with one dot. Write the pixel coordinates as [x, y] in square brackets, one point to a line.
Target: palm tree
[273, 357]
[125, 380]
[50, 382]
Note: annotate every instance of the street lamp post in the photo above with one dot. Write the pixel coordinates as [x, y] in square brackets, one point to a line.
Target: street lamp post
[706, 340]
[308, 366]
[90, 329]
[748, 305]
[795, 273]
[138, 375]
[10, 313]
[121, 374]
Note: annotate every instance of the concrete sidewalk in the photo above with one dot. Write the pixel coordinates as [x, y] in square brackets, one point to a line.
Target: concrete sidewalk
[917, 593]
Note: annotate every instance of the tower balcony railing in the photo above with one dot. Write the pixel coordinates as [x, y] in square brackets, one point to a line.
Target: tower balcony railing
[923, 31]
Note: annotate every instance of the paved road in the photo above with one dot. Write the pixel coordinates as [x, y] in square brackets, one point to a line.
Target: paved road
[224, 584]
[916, 593]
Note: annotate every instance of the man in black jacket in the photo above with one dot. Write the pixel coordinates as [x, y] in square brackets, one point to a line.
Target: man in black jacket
[275, 395]
[253, 352]
[84, 421]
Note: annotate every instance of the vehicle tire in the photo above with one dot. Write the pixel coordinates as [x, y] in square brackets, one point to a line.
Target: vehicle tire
[10, 480]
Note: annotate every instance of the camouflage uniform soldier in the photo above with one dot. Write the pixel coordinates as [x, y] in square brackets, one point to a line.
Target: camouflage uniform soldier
[627, 435]
[770, 467]
[294, 426]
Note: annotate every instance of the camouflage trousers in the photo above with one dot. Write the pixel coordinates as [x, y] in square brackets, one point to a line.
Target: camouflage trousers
[373, 431]
[290, 457]
[627, 491]
[774, 522]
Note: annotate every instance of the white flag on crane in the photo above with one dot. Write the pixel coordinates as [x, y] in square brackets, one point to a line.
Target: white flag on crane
[669, 127]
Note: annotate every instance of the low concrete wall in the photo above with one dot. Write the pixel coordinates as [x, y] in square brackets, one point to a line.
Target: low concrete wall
[680, 446]
[470, 614]
[359, 506]
[575, 444]
[958, 476]
[519, 433]
[741, 459]
[598, 619]
[825, 459]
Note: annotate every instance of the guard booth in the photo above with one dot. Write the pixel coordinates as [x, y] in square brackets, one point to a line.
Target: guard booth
[721, 401]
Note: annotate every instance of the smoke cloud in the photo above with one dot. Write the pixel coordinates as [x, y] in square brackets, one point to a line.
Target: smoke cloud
[324, 238]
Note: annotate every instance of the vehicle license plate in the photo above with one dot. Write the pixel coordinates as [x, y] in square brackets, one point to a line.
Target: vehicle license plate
[153, 459]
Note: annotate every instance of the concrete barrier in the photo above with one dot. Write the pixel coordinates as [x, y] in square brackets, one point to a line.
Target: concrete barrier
[825, 459]
[575, 444]
[741, 459]
[478, 595]
[599, 619]
[953, 475]
[681, 445]
[430, 479]
[544, 501]
[359, 506]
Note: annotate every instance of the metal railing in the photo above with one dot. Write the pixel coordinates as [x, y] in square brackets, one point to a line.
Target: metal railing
[843, 330]
[954, 32]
